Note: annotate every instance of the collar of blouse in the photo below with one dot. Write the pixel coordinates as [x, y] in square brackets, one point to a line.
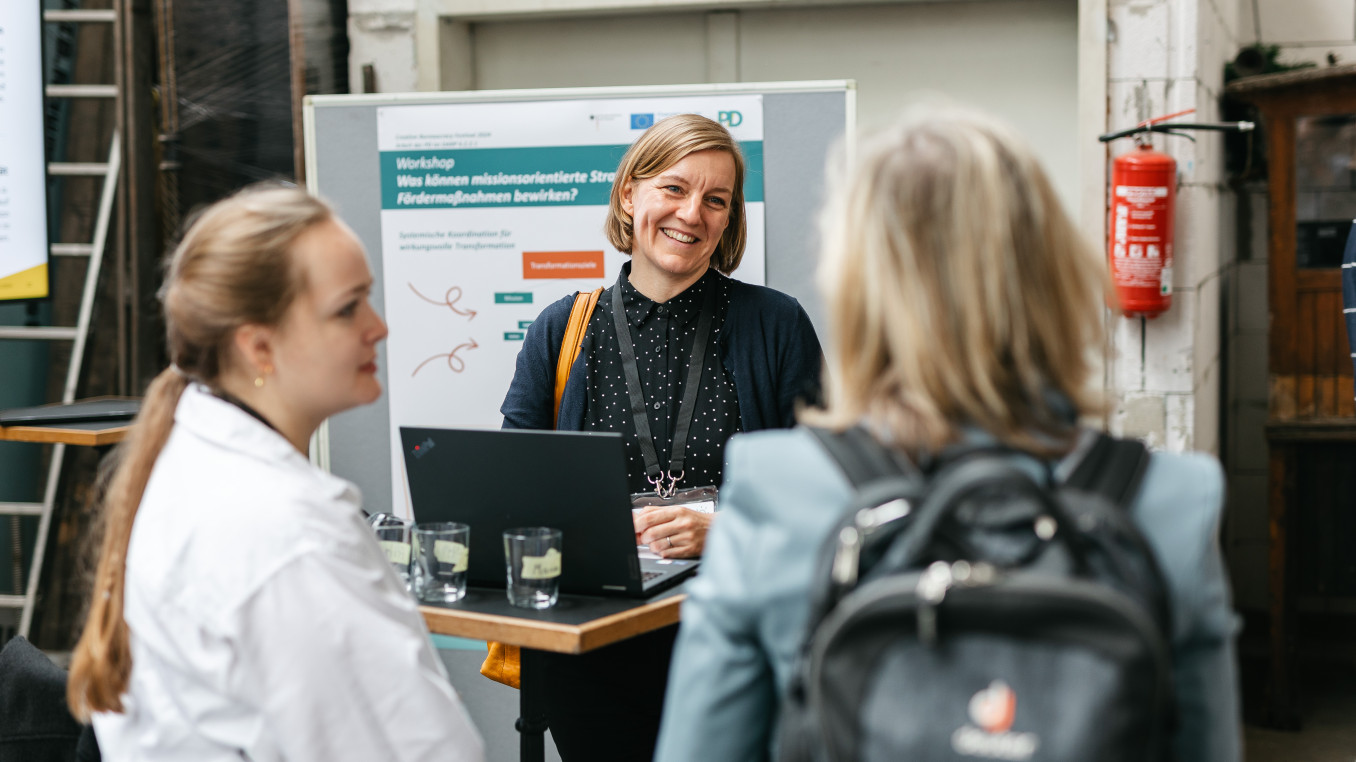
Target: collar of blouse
[682, 308]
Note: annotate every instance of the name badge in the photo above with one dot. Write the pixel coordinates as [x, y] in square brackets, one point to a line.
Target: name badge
[700, 499]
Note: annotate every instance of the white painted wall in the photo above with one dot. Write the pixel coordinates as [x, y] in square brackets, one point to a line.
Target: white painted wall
[381, 34]
[1017, 58]
[1306, 30]
[582, 52]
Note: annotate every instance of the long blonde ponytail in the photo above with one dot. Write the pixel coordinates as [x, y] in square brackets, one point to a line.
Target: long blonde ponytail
[102, 660]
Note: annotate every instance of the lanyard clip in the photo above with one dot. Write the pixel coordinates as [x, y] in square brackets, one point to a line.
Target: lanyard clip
[657, 481]
[665, 490]
[673, 482]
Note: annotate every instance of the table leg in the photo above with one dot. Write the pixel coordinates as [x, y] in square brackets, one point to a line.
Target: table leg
[1281, 711]
[531, 722]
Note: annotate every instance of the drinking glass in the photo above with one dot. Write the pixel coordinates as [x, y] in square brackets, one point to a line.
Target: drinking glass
[441, 554]
[394, 536]
[533, 558]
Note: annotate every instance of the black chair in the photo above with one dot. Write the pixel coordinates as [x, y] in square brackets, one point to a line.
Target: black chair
[35, 725]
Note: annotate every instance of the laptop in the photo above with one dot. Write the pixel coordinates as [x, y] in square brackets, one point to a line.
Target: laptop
[109, 410]
[495, 480]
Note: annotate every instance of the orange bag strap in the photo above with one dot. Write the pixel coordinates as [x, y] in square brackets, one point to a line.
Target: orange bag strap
[503, 664]
[584, 302]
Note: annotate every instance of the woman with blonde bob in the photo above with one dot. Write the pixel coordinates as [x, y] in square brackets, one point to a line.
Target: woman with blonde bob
[677, 209]
[242, 608]
[965, 308]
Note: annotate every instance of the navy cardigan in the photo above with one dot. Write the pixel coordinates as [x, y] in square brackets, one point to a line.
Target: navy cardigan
[768, 345]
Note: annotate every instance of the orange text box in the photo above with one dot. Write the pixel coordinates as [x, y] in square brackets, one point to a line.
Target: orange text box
[562, 264]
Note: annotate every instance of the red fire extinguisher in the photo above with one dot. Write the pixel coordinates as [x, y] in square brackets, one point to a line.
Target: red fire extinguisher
[1143, 200]
[1140, 224]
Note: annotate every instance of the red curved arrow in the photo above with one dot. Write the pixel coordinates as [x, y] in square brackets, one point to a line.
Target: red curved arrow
[454, 363]
[452, 305]
[448, 301]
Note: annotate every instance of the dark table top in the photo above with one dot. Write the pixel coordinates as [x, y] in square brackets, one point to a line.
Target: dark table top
[577, 623]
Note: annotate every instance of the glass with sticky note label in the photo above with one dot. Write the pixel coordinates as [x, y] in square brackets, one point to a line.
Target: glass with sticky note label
[394, 536]
[533, 559]
[441, 555]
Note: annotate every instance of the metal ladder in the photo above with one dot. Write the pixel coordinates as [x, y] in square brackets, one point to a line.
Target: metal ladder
[79, 333]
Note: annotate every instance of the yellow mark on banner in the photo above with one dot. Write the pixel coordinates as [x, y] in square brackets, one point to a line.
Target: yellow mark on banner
[542, 567]
[25, 284]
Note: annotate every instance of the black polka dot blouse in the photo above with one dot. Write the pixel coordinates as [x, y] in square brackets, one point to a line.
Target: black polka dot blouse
[663, 335]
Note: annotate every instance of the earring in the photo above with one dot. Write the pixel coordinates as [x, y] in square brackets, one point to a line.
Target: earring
[259, 380]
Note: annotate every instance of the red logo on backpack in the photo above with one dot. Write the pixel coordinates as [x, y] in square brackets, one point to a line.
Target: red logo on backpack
[992, 711]
[994, 707]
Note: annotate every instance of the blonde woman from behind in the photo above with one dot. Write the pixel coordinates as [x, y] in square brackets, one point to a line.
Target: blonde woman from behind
[242, 608]
[964, 307]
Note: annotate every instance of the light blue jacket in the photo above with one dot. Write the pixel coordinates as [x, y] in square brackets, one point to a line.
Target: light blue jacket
[746, 612]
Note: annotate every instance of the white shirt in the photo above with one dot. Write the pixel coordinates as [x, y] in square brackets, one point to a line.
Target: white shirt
[266, 622]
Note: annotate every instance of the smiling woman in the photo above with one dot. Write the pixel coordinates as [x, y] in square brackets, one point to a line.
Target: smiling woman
[677, 358]
[242, 609]
[677, 220]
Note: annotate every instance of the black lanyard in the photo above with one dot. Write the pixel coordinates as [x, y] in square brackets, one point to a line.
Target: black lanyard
[654, 474]
[226, 396]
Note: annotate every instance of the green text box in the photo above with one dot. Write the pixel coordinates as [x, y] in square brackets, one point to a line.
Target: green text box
[513, 297]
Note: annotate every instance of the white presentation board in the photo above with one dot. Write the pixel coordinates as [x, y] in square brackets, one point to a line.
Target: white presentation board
[487, 217]
[480, 209]
[23, 176]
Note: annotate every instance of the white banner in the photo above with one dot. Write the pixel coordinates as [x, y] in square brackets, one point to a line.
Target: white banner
[491, 212]
[23, 178]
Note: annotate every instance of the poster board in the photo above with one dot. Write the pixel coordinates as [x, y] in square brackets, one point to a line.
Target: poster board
[23, 174]
[479, 209]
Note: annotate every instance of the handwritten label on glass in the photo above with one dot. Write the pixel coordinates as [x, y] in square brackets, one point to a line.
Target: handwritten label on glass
[542, 567]
[396, 552]
[449, 552]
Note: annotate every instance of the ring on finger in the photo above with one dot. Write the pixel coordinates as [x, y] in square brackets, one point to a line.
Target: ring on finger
[670, 539]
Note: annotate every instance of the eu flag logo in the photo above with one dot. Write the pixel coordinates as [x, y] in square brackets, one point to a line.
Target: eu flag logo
[642, 121]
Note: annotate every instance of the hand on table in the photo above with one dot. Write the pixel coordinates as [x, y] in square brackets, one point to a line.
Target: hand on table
[672, 532]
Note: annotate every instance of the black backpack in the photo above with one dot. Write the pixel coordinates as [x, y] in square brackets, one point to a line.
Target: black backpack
[971, 612]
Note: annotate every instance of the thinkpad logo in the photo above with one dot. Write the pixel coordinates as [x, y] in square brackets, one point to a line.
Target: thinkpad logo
[992, 711]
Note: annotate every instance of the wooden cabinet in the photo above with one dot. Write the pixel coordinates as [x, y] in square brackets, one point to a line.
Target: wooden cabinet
[1309, 118]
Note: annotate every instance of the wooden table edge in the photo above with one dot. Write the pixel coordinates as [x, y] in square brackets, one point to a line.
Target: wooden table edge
[554, 636]
[610, 629]
[58, 435]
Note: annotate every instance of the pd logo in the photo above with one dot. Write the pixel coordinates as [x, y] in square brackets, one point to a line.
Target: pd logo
[642, 121]
[730, 118]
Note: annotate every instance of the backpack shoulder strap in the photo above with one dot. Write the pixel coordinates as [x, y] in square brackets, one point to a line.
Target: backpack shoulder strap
[859, 456]
[1111, 467]
[575, 328]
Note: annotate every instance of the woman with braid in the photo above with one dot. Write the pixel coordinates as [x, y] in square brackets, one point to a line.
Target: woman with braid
[242, 608]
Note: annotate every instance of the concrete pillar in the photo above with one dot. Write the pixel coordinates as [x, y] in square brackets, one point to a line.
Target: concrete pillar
[1164, 374]
[381, 33]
